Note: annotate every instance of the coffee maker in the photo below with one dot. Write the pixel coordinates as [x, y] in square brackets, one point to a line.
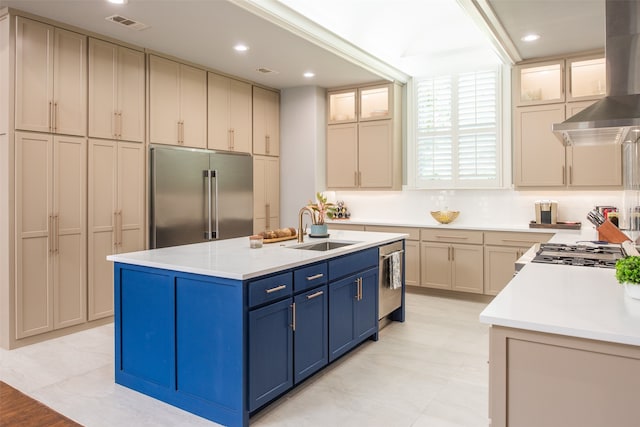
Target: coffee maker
[546, 212]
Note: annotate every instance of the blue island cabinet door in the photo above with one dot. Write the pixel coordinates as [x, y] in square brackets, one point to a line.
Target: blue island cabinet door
[342, 300]
[311, 346]
[366, 323]
[270, 352]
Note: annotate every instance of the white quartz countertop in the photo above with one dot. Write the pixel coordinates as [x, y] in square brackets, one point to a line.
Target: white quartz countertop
[576, 301]
[233, 259]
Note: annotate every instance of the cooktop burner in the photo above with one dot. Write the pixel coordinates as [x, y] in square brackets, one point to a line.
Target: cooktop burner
[582, 255]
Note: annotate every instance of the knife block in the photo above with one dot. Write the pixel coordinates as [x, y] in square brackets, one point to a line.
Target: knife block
[608, 232]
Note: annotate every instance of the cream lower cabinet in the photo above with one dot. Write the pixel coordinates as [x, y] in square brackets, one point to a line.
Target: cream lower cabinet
[51, 176]
[266, 122]
[177, 103]
[51, 79]
[229, 114]
[452, 259]
[266, 193]
[411, 251]
[501, 251]
[116, 215]
[116, 92]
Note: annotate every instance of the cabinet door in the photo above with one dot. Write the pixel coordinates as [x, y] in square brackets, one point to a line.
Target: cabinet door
[34, 76]
[539, 159]
[240, 116]
[366, 317]
[266, 122]
[467, 268]
[131, 197]
[130, 93]
[70, 252]
[270, 352]
[376, 102]
[273, 123]
[34, 228]
[412, 262]
[342, 300]
[103, 80]
[499, 267]
[219, 136]
[435, 266]
[375, 154]
[311, 334]
[342, 106]
[586, 78]
[103, 184]
[266, 193]
[539, 83]
[70, 83]
[193, 106]
[342, 156]
[272, 197]
[164, 100]
[586, 161]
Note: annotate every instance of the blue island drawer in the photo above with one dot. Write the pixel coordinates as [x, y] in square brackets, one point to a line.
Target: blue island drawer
[309, 277]
[353, 263]
[270, 289]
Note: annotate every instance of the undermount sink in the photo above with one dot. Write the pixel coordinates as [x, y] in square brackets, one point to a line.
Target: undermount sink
[327, 245]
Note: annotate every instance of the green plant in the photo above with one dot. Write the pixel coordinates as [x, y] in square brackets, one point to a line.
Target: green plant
[628, 270]
[321, 209]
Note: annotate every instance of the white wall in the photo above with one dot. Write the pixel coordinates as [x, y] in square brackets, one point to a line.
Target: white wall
[302, 149]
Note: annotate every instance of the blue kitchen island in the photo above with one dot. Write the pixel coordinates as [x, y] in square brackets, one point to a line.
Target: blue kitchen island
[220, 330]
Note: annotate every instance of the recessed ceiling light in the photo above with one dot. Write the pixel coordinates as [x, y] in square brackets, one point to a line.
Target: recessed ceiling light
[309, 74]
[118, 1]
[530, 37]
[241, 47]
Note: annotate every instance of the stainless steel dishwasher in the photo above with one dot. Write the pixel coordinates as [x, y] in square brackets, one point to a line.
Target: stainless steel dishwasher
[389, 299]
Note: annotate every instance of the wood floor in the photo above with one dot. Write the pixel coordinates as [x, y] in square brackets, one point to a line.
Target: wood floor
[17, 409]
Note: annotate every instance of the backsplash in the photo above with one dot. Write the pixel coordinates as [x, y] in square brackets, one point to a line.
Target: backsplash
[477, 207]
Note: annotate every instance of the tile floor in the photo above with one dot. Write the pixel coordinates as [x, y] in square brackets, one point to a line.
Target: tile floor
[430, 371]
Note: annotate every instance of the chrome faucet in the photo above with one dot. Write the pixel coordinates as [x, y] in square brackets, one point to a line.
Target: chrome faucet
[300, 215]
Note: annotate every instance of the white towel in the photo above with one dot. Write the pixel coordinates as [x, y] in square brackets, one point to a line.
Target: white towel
[395, 275]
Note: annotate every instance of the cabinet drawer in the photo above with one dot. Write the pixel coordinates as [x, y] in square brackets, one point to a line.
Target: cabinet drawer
[308, 277]
[353, 263]
[506, 238]
[451, 236]
[270, 288]
[414, 233]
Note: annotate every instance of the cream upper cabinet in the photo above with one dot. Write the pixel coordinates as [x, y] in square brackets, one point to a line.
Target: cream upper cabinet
[586, 78]
[229, 114]
[364, 147]
[539, 83]
[266, 122]
[585, 162]
[50, 232]
[116, 92]
[116, 215]
[178, 103]
[539, 156]
[51, 79]
[266, 193]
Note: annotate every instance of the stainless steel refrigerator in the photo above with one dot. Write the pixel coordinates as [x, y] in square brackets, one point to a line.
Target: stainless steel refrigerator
[198, 195]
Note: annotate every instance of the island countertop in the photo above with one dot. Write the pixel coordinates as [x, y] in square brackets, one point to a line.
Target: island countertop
[567, 300]
[234, 259]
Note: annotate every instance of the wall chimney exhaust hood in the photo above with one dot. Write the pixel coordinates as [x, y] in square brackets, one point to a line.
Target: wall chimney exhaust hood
[615, 118]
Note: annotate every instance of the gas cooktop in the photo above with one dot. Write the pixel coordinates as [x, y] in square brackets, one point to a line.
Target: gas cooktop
[582, 255]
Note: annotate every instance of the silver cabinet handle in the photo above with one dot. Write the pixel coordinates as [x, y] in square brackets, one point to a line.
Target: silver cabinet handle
[453, 254]
[452, 237]
[115, 229]
[120, 124]
[518, 241]
[317, 294]
[120, 228]
[315, 276]
[359, 179]
[355, 178]
[267, 212]
[267, 141]
[276, 289]
[50, 116]
[50, 234]
[55, 116]
[293, 317]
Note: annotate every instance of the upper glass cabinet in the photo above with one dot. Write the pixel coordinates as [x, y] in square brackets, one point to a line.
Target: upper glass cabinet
[342, 106]
[586, 78]
[375, 102]
[539, 83]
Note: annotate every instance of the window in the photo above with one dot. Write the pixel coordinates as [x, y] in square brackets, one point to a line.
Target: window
[458, 130]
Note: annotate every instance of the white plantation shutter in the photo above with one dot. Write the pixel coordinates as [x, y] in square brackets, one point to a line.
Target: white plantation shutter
[458, 130]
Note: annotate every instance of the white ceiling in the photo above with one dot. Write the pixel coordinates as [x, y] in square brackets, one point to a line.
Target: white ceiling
[369, 39]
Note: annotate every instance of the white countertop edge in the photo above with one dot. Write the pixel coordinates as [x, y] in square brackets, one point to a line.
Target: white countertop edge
[138, 258]
[559, 330]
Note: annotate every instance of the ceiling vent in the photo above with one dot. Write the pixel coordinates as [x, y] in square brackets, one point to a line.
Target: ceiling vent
[126, 22]
[265, 70]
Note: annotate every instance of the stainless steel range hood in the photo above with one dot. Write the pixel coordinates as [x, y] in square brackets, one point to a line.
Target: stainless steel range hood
[615, 118]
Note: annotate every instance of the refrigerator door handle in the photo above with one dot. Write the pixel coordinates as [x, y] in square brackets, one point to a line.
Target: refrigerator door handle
[215, 233]
[208, 231]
